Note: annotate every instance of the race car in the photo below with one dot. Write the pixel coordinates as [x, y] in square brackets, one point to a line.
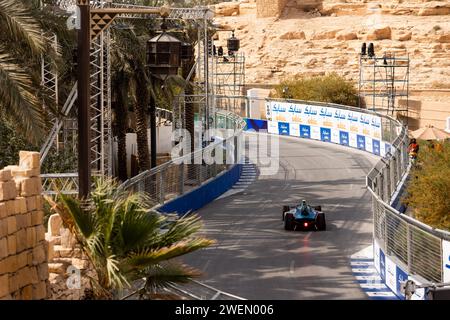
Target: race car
[303, 217]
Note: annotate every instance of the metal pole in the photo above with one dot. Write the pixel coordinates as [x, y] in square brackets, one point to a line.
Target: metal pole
[152, 131]
[84, 44]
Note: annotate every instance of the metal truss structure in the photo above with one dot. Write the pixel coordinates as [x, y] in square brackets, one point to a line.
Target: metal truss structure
[383, 80]
[103, 13]
[229, 77]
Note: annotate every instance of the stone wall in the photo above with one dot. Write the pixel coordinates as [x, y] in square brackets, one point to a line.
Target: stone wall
[23, 250]
[269, 8]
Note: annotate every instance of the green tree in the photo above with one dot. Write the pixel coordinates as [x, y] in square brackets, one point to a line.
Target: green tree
[125, 240]
[429, 188]
[21, 39]
[331, 88]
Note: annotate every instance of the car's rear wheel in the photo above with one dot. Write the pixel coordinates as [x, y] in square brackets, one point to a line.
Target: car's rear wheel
[289, 221]
[320, 222]
[285, 209]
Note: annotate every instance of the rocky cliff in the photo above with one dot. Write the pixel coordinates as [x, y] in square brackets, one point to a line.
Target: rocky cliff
[315, 37]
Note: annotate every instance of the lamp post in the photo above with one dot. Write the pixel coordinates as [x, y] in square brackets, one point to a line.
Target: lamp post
[84, 139]
[163, 59]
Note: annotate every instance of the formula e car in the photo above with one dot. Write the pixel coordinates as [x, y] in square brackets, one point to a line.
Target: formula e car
[303, 217]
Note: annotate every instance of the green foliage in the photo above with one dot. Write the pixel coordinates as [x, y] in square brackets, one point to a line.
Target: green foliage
[429, 187]
[125, 240]
[330, 88]
[11, 143]
[63, 161]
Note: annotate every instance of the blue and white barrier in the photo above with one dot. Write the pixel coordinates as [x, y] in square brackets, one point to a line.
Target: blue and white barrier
[204, 194]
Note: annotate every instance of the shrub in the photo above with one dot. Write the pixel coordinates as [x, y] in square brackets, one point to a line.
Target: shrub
[331, 88]
[429, 187]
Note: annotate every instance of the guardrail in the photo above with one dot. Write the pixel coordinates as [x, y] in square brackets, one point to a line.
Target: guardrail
[416, 247]
[180, 175]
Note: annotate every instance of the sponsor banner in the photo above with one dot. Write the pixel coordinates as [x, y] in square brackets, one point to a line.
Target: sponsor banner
[305, 131]
[327, 117]
[369, 146]
[352, 140]
[325, 134]
[295, 129]
[361, 142]
[335, 136]
[315, 133]
[283, 128]
[401, 276]
[272, 127]
[376, 147]
[446, 260]
[376, 255]
[391, 277]
[343, 138]
[382, 266]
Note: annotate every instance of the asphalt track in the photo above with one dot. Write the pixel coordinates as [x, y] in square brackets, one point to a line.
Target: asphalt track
[254, 256]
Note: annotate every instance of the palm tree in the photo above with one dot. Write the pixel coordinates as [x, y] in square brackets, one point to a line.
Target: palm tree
[20, 37]
[125, 240]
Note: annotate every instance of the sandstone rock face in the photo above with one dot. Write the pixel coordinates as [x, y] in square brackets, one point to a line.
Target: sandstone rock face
[293, 35]
[403, 36]
[435, 8]
[275, 47]
[227, 9]
[381, 33]
[345, 35]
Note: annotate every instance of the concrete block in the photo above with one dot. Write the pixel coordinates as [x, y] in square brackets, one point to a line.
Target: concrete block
[5, 175]
[21, 221]
[3, 227]
[29, 159]
[23, 277]
[7, 190]
[13, 284]
[26, 173]
[12, 224]
[3, 248]
[31, 203]
[21, 236]
[4, 285]
[33, 275]
[22, 259]
[40, 291]
[10, 207]
[39, 202]
[37, 217]
[40, 233]
[42, 270]
[3, 212]
[31, 237]
[8, 265]
[12, 244]
[27, 292]
[20, 205]
[39, 255]
[29, 186]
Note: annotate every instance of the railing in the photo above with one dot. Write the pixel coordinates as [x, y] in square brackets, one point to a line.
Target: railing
[410, 243]
[179, 175]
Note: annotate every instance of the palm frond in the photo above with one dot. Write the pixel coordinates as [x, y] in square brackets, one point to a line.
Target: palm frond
[84, 220]
[180, 229]
[148, 257]
[162, 275]
[15, 20]
[16, 96]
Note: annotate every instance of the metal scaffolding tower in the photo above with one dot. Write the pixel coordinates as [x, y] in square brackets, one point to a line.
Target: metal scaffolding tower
[229, 79]
[383, 80]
